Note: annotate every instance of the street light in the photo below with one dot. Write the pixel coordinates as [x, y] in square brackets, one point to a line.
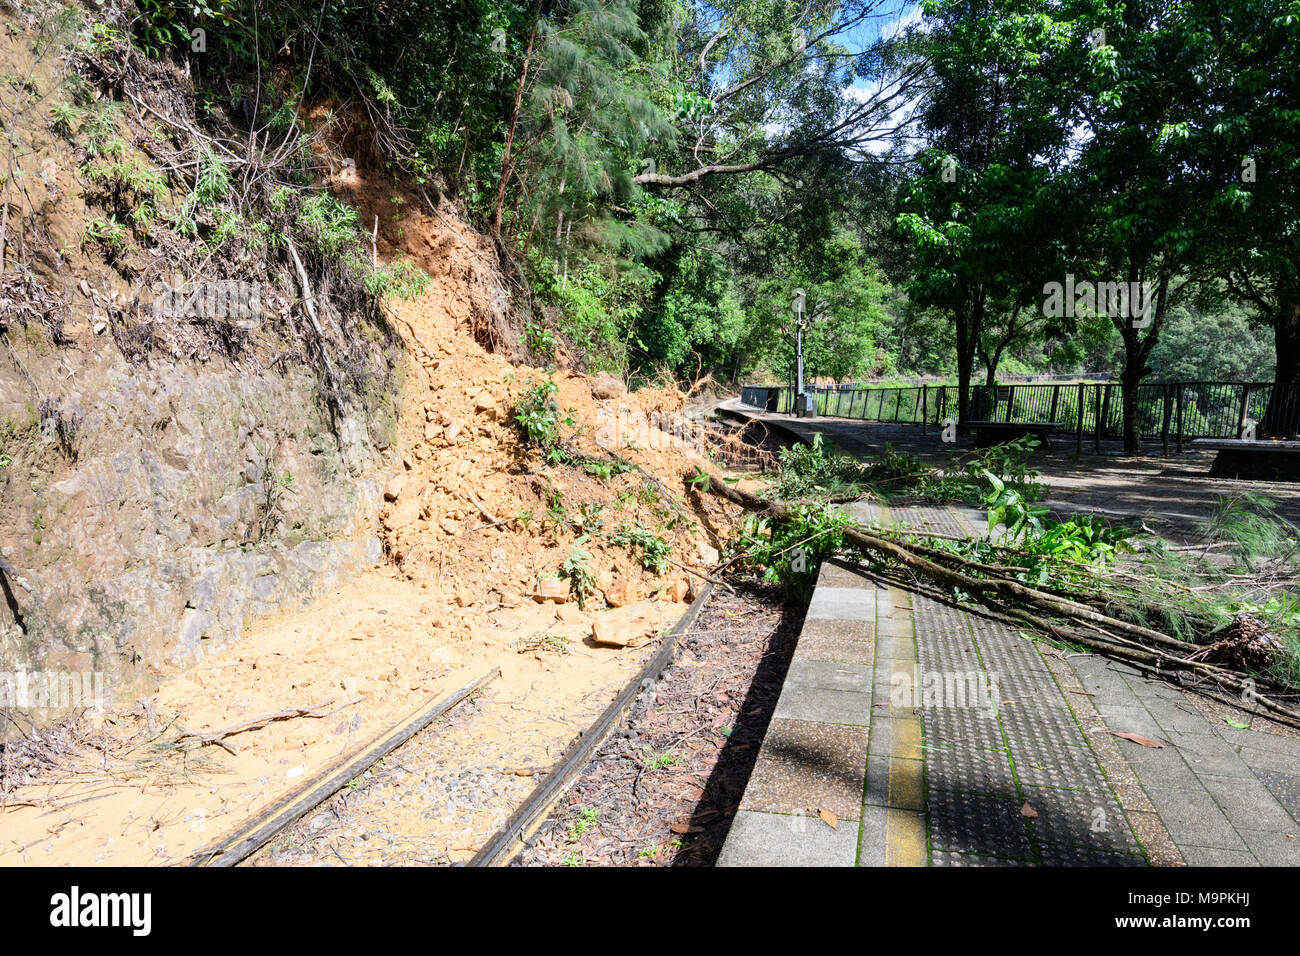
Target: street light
[804, 406]
[799, 299]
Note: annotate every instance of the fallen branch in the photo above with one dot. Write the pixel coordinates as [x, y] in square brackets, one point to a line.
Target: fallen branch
[1036, 607]
[220, 736]
[699, 574]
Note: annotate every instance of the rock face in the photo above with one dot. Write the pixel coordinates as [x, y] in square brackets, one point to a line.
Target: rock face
[153, 509]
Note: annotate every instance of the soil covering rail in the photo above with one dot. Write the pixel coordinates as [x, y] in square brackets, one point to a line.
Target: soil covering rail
[230, 850]
[532, 813]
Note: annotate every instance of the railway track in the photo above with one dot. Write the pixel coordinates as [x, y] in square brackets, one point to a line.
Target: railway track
[286, 821]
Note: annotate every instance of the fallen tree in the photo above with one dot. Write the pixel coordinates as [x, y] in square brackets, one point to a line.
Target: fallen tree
[1061, 617]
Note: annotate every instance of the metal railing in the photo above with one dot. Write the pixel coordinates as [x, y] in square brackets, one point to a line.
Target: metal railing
[1177, 411]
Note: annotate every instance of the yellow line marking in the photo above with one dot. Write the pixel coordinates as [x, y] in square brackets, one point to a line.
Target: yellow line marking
[904, 838]
[905, 790]
[907, 739]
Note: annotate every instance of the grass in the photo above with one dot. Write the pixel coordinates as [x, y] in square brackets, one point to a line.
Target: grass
[587, 820]
[542, 641]
[659, 761]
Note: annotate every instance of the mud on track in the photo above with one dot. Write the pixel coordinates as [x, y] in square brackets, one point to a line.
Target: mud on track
[662, 790]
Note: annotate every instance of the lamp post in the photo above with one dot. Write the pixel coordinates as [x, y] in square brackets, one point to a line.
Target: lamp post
[799, 300]
[804, 405]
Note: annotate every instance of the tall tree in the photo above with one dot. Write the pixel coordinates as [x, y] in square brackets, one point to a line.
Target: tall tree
[996, 118]
[1247, 141]
[1143, 202]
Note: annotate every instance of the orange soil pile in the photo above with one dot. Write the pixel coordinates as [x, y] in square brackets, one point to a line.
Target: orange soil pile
[474, 514]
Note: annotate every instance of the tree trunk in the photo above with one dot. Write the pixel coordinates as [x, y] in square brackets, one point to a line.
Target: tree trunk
[968, 336]
[1138, 347]
[500, 201]
[1282, 417]
[965, 360]
[1128, 385]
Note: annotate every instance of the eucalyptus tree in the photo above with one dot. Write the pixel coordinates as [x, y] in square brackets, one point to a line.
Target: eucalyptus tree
[1247, 143]
[996, 117]
[763, 83]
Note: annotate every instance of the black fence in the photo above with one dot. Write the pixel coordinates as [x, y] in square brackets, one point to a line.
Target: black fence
[1177, 411]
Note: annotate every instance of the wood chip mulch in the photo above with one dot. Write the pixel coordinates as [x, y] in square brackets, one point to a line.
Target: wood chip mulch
[663, 788]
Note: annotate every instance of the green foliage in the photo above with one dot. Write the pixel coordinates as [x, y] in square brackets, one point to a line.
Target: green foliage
[101, 39]
[582, 583]
[107, 233]
[607, 469]
[988, 473]
[211, 189]
[1086, 539]
[127, 186]
[63, 116]
[401, 277]
[804, 470]
[658, 761]
[1250, 525]
[587, 820]
[541, 341]
[538, 417]
[1008, 508]
[164, 26]
[790, 550]
[598, 308]
[329, 226]
[650, 550]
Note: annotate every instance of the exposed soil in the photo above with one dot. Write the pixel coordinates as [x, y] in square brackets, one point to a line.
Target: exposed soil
[663, 789]
[436, 799]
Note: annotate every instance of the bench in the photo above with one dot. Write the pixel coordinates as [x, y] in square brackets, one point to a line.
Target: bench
[1253, 459]
[998, 433]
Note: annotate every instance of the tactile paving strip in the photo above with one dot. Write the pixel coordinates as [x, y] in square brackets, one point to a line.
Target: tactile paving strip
[947, 653]
[1055, 727]
[923, 518]
[969, 728]
[1041, 765]
[946, 858]
[978, 824]
[1076, 818]
[959, 770]
[974, 797]
[1056, 855]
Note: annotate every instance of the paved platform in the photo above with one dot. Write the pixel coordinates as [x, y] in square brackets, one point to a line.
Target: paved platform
[914, 732]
